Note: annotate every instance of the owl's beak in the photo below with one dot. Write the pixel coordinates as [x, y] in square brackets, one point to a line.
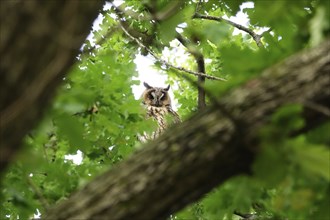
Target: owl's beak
[157, 104]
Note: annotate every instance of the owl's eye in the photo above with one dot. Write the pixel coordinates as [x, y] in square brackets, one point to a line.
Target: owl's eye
[152, 95]
[163, 96]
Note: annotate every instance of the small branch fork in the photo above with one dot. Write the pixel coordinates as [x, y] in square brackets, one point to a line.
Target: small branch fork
[200, 67]
[256, 37]
[162, 61]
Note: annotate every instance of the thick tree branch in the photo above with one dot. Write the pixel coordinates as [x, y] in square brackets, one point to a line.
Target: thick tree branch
[36, 50]
[209, 146]
[256, 37]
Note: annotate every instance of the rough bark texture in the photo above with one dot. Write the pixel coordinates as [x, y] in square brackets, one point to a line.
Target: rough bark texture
[39, 42]
[202, 152]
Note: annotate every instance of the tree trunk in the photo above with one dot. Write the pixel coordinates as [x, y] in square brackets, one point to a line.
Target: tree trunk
[39, 42]
[204, 151]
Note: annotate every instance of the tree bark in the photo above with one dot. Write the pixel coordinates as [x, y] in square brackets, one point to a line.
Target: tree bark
[39, 42]
[204, 151]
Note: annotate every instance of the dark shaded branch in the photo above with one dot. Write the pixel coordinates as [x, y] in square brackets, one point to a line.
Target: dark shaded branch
[208, 145]
[201, 82]
[256, 37]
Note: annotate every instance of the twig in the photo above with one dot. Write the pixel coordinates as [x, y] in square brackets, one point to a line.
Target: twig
[245, 216]
[198, 6]
[162, 61]
[319, 108]
[256, 37]
[123, 22]
[191, 72]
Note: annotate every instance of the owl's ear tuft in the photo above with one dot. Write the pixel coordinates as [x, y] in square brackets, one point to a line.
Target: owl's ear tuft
[147, 85]
[167, 88]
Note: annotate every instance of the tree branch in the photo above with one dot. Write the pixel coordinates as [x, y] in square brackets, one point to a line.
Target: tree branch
[256, 37]
[163, 62]
[200, 68]
[208, 145]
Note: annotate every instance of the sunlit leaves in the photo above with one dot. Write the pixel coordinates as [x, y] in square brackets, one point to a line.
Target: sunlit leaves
[285, 18]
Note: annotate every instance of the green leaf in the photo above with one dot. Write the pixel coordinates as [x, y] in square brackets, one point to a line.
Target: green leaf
[233, 5]
[270, 166]
[322, 209]
[72, 130]
[216, 31]
[288, 118]
[167, 30]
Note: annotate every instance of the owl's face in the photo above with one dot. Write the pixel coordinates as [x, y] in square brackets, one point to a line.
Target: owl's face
[155, 96]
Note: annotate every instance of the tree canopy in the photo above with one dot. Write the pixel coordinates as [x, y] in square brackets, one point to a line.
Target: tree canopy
[254, 141]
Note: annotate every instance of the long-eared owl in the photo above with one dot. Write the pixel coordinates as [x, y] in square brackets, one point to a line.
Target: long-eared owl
[158, 105]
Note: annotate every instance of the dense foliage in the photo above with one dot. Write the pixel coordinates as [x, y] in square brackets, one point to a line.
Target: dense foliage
[95, 111]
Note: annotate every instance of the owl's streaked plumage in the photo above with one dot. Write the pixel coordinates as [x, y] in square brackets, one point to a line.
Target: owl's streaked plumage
[158, 105]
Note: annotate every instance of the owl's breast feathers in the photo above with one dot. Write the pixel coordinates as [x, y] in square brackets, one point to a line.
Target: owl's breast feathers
[154, 111]
[160, 112]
